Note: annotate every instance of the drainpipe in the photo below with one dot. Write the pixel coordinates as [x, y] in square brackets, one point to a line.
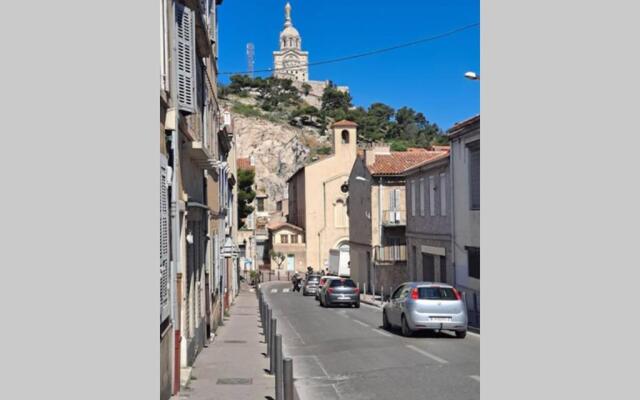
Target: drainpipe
[175, 207]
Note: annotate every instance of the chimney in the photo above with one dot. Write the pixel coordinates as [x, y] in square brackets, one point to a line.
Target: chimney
[370, 153]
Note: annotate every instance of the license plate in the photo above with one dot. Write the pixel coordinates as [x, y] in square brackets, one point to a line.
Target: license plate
[441, 318]
[342, 297]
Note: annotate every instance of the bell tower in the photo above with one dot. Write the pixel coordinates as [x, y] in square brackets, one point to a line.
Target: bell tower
[290, 62]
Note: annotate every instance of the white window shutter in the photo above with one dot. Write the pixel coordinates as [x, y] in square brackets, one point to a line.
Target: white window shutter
[432, 197]
[392, 200]
[185, 32]
[396, 194]
[443, 194]
[422, 197]
[165, 301]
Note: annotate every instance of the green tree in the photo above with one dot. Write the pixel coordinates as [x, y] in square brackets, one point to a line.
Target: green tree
[278, 257]
[246, 194]
[335, 102]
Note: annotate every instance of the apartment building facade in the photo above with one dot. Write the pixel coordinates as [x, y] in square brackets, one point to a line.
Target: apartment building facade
[378, 216]
[465, 172]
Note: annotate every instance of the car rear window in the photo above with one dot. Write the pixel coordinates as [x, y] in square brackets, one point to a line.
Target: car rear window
[314, 278]
[436, 293]
[342, 282]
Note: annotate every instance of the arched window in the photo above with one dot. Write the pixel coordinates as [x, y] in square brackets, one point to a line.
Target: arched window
[340, 214]
[345, 136]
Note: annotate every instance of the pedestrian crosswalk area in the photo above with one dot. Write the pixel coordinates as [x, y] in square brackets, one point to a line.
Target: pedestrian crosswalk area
[283, 290]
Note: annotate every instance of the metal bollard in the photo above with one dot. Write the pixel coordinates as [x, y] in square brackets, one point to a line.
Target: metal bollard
[287, 375]
[272, 340]
[267, 338]
[278, 369]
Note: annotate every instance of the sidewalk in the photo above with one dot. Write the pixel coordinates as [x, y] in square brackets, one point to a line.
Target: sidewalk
[232, 366]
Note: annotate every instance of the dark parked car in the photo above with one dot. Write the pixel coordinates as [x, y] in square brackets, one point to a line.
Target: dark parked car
[311, 285]
[339, 291]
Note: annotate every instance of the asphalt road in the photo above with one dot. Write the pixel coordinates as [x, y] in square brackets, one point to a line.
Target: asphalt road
[343, 353]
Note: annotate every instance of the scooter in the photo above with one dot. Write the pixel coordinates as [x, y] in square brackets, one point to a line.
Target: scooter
[296, 286]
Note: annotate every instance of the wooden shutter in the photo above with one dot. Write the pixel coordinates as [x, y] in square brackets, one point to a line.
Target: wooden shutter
[396, 194]
[392, 200]
[185, 32]
[474, 176]
[432, 197]
[443, 194]
[165, 301]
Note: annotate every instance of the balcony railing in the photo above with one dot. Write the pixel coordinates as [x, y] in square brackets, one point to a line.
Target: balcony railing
[391, 254]
[394, 217]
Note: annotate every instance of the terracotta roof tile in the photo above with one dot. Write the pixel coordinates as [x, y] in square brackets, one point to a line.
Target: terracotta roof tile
[279, 224]
[345, 123]
[400, 161]
[244, 163]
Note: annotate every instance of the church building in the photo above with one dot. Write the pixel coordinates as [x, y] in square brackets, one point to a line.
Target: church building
[290, 62]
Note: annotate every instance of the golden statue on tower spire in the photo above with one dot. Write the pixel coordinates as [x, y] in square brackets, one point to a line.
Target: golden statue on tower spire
[287, 14]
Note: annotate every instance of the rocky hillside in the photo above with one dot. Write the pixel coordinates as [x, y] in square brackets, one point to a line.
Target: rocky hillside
[278, 148]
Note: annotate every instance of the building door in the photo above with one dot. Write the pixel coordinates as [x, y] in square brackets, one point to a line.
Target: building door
[291, 262]
[443, 269]
[428, 267]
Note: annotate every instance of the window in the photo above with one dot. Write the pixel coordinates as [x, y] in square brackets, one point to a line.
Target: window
[294, 239]
[432, 196]
[261, 204]
[345, 136]
[436, 293]
[413, 198]
[397, 293]
[473, 254]
[394, 205]
[422, 197]
[284, 238]
[340, 214]
[443, 195]
[474, 174]
[279, 205]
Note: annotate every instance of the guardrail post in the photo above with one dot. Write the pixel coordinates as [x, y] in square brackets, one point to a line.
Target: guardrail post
[278, 372]
[274, 354]
[287, 372]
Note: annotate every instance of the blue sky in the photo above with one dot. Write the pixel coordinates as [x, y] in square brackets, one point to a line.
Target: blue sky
[427, 77]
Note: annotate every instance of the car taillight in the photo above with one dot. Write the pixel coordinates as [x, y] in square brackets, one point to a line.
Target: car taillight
[330, 290]
[414, 294]
[357, 291]
[456, 293]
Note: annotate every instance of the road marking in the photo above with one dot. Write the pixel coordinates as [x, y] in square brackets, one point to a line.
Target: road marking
[425, 353]
[285, 290]
[475, 377]
[274, 290]
[383, 333]
[370, 306]
[294, 330]
[321, 367]
[360, 322]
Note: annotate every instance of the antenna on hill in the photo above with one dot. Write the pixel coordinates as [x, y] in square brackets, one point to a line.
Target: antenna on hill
[250, 58]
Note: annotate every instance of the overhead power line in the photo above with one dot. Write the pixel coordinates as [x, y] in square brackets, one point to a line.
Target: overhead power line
[365, 54]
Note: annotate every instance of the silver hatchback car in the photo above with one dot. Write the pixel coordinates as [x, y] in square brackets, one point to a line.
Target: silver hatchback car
[426, 306]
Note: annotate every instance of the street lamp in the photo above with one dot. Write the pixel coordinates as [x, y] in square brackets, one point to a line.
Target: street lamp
[472, 76]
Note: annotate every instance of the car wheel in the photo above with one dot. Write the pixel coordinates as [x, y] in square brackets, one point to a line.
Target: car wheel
[385, 321]
[461, 334]
[406, 331]
[357, 305]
